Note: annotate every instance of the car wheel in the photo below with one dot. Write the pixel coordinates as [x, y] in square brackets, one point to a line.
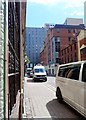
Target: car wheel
[59, 95]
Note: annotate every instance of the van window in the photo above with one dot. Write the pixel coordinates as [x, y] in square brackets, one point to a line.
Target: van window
[39, 70]
[84, 73]
[70, 71]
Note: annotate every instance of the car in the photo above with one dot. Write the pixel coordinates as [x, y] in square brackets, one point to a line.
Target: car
[28, 71]
[31, 74]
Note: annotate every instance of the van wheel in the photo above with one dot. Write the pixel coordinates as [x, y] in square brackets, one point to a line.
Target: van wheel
[59, 95]
[33, 79]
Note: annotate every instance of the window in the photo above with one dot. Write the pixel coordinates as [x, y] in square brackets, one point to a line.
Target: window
[57, 60]
[49, 71]
[71, 58]
[84, 73]
[75, 46]
[69, 38]
[57, 46]
[71, 71]
[75, 57]
[68, 50]
[65, 51]
[68, 58]
[73, 30]
[39, 70]
[62, 52]
[57, 30]
[71, 48]
[69, 30]
[83, 51]
[53, 71]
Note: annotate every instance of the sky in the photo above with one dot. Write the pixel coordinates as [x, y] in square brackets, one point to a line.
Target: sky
[39, 12]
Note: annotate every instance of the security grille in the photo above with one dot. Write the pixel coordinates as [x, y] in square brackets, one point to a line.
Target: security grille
[14, 52]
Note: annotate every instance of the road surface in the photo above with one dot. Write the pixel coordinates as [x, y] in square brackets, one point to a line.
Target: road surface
[40, 101]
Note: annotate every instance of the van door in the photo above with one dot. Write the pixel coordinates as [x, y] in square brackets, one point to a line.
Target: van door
[81, 89]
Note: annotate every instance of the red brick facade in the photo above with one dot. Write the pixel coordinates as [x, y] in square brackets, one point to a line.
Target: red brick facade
[83, 51]
[69, 54]
[67, 38]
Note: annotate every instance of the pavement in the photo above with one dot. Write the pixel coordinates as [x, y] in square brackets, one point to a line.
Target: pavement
[27, 108]
[15, 109]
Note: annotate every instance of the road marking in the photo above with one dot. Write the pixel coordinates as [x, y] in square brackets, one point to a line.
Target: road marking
[51, 88]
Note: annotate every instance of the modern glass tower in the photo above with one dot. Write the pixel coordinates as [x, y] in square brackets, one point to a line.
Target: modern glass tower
[34, 42]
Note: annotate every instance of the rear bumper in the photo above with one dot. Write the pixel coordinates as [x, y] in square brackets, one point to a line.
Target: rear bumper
[40, 78]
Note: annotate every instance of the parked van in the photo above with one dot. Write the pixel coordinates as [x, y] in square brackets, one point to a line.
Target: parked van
[39, 73]
[71, 85]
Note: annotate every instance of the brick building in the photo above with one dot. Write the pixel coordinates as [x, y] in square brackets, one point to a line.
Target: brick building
[59, 40]
[82, 45]
[70, 53]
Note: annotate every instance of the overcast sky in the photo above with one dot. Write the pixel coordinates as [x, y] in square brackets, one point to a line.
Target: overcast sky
[39, 12]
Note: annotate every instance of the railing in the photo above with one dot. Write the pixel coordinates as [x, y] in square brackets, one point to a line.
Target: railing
[14, 58]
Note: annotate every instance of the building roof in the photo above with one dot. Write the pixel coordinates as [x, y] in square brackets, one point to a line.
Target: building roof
[81, 26]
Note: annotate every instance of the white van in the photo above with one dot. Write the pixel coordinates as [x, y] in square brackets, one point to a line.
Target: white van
[39, 73]
[71, 85]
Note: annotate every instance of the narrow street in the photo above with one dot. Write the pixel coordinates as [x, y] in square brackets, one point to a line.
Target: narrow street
[41, 102]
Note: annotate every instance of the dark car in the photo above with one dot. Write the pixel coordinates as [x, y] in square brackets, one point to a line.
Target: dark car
[31, 74]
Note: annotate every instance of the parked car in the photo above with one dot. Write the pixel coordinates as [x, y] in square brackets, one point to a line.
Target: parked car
[28, 71]
[31, 73]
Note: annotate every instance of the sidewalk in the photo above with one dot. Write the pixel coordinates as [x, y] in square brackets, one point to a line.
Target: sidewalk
[15, 109]
[27, 109]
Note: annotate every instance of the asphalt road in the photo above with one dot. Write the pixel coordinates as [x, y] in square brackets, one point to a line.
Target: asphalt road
[40, 101]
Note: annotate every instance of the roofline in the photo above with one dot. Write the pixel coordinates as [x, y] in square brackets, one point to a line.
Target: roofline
[81, 26]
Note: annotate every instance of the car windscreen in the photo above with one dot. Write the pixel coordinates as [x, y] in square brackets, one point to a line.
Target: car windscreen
[39, 70]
